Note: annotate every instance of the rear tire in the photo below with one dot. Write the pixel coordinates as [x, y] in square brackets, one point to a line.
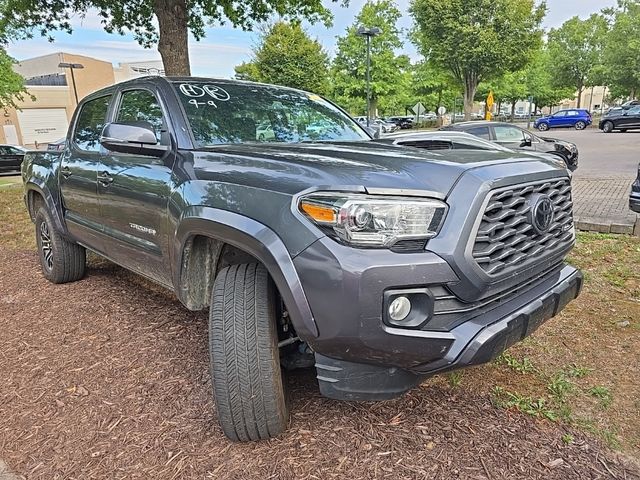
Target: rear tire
[607, 127]
[580, 125]
[62, 261]
[244, 355]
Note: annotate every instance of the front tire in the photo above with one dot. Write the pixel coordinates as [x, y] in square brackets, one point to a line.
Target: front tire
[62, 261]
[607, 127]
[244, 354]
[580, 125]
[543, 127]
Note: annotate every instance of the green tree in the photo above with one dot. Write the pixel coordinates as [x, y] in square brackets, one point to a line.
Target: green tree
[477, 40]
[165, 23]
[577, 52]
[348, 71]
[539, 79]
[622, 50]
[286, 55]
[11, 84]
[433, 86]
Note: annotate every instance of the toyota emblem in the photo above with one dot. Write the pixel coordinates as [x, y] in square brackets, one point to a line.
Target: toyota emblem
[541, 213]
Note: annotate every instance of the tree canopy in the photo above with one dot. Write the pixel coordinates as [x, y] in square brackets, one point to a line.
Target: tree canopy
[577, 51]
[388, 69]
[286, 55]
[11, 84]
[622, 49]
[165, 23]
[477, 40]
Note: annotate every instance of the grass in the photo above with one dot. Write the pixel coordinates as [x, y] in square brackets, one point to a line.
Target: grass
[14, 180]
[603, 394]
[520, 366]
[579, 368]
[16, 230]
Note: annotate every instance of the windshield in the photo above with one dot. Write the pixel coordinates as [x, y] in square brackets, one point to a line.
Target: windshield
[222, 113]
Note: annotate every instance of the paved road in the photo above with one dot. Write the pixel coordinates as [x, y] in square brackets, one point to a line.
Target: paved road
[603, 155]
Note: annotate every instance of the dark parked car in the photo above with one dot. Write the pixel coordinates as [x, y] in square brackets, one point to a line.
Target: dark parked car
[516, 138]
[577, 118]
[451, 140]
[622, 120]
[403, 122]
[377, 264]
[11, 158]
[634, 198]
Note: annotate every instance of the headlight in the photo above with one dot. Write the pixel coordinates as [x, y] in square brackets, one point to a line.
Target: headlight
[375, 221]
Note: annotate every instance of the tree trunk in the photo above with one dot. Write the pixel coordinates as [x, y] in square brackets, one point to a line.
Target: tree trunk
[580, 97]
[374, 107]
[513, 110]
[470, 87]
[173, 43]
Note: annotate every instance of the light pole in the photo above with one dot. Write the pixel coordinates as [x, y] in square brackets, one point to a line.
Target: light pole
[72, 67]
[368, 33]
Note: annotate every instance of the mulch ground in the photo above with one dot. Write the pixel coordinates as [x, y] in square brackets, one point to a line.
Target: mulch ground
[108, 378]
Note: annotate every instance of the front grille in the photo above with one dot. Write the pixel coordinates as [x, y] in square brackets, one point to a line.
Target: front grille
[506, 239]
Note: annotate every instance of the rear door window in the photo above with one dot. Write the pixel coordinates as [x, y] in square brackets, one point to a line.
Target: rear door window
[482, 132]
[90, 122]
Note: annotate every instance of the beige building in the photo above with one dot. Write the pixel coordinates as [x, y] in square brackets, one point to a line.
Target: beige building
[45, 118]
[592, 99]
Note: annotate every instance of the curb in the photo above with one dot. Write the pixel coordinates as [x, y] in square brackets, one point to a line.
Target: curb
[600, 225]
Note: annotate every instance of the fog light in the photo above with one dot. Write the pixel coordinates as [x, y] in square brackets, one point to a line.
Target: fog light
[399, 309]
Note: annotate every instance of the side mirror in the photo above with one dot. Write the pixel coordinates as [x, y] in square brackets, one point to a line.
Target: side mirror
[137, 139]
[526, 142]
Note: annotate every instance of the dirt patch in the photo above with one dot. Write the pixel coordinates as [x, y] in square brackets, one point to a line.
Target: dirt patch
[108, 378]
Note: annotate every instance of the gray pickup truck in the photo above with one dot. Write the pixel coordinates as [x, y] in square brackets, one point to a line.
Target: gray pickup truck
[310, 242]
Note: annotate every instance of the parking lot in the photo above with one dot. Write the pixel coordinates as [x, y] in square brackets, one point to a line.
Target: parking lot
[603, 155]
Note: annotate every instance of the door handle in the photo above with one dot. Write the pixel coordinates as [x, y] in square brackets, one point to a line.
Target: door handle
[105, 179]
[66, 172]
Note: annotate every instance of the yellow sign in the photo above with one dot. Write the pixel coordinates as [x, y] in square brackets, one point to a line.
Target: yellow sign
[487, 115]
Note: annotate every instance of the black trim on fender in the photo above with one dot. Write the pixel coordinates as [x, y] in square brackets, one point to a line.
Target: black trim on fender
[38, 186]
[258, 240]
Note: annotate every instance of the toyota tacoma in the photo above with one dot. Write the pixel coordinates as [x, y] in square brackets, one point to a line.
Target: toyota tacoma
[377, 264]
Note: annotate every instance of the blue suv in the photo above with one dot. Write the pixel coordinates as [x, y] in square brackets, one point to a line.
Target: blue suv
[574, 117]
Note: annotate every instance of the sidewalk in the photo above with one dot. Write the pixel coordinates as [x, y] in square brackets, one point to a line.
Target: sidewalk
[602, 205]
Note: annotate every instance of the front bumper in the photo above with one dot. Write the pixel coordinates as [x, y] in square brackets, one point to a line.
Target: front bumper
[634, 198]
[634, 202]
[474, 342]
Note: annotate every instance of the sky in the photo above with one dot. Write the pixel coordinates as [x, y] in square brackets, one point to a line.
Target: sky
[225, 47]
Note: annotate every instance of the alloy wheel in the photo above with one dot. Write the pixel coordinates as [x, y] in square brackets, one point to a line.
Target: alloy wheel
[46, 245]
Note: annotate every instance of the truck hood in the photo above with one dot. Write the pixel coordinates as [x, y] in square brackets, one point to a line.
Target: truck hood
[292, 168]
